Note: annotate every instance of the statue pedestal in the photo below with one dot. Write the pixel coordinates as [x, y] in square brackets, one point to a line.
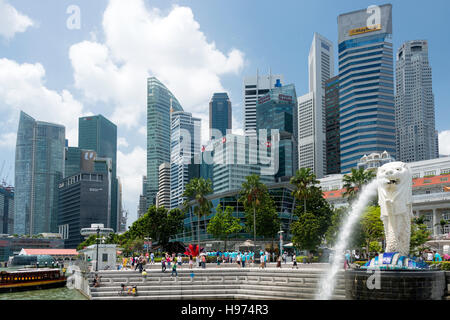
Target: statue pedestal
[394, 285]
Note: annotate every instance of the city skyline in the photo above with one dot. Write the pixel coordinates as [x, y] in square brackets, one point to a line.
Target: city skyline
[66, 84]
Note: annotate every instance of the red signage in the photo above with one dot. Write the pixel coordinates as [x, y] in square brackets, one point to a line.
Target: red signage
[283, 97]
[264, 99]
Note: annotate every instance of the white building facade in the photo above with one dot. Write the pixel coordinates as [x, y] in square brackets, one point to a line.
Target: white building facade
[431, 193]
[416, 136]
[254, 88]
[312, 106]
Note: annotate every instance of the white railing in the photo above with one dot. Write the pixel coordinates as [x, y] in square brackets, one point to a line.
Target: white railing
[420, 198]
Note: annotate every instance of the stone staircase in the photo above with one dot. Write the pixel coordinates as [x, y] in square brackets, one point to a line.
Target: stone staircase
[215, 283]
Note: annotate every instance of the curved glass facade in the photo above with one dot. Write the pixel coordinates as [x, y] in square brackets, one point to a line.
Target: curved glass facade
[160, 103]
[39, 166]
[284, 202]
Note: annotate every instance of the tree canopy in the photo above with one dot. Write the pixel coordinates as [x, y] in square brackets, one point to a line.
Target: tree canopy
[354, 182]
[223, 224]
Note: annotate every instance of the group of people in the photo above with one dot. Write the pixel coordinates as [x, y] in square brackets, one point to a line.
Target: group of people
[133, 262]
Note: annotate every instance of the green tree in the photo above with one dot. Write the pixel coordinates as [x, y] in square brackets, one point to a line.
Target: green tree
[197, 190]
[354, 182]
[266, 218]
[252, 193]
[372, 226]
[223, 224]
[92, 239]
[311, 227]
[419, 235]
[304, 182]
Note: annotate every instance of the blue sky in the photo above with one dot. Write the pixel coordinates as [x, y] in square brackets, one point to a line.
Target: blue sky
[57, 74]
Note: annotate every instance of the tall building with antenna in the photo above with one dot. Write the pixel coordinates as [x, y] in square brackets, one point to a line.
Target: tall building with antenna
[254, 88]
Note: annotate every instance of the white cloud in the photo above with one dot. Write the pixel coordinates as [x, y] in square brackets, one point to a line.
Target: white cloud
[122, 142]
[12, 21]
[130, 168]
[8, 140]
[141, 42]
[444, 142]
[22, 88]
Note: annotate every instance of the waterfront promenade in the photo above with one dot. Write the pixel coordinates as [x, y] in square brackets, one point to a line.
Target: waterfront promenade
[212, 283]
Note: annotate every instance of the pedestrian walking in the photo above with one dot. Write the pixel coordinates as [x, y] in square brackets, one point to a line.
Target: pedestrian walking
[204, 261]
[279, 262]
[294, 261]
[191, 262]
[174, 270]
[152, 258]
[163, 264]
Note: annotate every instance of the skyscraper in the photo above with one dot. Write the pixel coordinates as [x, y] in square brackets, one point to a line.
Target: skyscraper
[184, 144]
[142, 208]
[6, 209]
[366, 84]
[333, 143]
[321, 68]
[100, 135]
[233, 160]
[220, 113]
[163, 198]
[39, 166]
[278, 111]
[414, 104]
[254, 88]
[306, 123]
[84, 199]
[160, 102]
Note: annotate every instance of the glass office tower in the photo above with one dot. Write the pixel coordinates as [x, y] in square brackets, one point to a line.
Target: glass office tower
[278, 111]
[366, 84]
[333, 143]
[220, 114]
[39, 166]
[98, 134]
[160, 103]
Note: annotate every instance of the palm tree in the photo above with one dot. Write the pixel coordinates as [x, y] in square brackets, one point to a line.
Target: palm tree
[304, 182]
[197, 190]
[252, 193]
[355, 181]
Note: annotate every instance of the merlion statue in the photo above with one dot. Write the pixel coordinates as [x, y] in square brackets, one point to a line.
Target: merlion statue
[395, 200]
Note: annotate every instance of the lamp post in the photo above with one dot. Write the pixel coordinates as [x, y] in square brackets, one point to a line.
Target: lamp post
[281, 241]
[96, 262]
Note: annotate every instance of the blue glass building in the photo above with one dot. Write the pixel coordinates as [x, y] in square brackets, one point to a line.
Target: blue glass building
[39, 166]
[366, 85]
[220, 114]
[6, 209]
[160, 103]
[100, 135]
[284, 203]
[278, 110]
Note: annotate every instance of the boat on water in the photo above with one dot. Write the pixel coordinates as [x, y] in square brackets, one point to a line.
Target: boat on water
[31, 279]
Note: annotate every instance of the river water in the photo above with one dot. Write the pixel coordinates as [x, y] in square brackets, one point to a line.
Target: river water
[44, 294]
